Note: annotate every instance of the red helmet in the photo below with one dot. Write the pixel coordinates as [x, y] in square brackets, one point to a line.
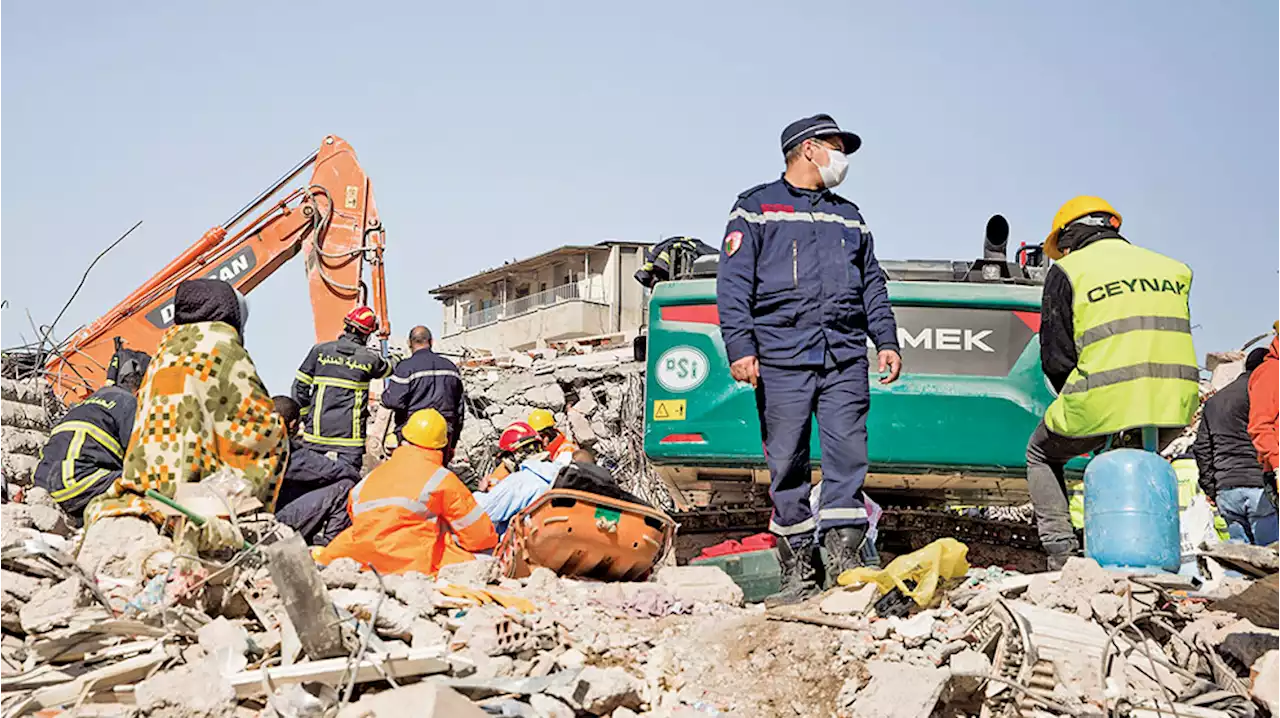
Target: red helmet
[517, 435]
[362, 319]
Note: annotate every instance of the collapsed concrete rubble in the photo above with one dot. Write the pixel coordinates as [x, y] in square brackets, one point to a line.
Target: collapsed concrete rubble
[26, 407]
[118, 637]
[597, 399]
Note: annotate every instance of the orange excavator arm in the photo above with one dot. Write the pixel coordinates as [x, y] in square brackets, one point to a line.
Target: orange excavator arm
[332, 221]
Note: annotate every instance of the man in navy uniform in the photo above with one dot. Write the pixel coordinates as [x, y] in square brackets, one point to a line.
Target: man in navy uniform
[799, 293]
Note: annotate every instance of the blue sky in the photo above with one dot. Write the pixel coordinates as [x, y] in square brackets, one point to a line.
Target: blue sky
[500, 130]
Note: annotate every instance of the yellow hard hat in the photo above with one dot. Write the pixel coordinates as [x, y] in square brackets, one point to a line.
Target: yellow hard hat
[426, 428]
[1070, 212]
[540, 419]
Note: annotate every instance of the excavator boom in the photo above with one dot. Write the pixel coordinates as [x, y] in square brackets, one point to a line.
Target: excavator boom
[333, 222]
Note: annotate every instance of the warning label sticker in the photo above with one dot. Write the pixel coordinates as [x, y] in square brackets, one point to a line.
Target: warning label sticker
[668, 410]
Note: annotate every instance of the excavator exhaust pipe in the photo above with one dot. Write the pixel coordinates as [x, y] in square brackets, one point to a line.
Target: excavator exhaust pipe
[996, 240]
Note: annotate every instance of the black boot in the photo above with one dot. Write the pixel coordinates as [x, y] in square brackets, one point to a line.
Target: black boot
[799, 578]
[844, 548]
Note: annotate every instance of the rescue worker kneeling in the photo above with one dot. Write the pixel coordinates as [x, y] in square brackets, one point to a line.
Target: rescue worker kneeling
[557, 444]
[85, 451]
[411, 513]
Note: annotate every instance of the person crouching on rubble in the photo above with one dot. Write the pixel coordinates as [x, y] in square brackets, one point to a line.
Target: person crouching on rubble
[85, 452]
[532, 474]
[202, 409]
[411, 513]
[517, 442]
[1115, 342]
[558, 445]
[313, 494]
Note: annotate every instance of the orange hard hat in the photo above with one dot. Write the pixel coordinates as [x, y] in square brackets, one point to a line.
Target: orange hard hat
[362, 319]
[516, 435]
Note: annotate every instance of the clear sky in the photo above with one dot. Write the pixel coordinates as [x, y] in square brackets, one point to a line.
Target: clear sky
[499, 130]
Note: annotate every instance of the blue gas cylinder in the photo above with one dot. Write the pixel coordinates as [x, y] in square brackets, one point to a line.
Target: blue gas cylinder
[1131, 511]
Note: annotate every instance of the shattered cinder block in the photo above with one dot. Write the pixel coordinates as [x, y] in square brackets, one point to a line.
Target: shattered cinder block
[52, 607]
[899, 690]
[600, 691]
[700, 584]
[197, 690]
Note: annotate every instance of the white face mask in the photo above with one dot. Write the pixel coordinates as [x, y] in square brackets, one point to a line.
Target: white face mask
[837, 167]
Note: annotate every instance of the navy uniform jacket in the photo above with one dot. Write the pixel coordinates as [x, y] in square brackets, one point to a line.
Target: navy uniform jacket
[309, 470]
[798, 276]
[332, 387]
[425, 380]
[88, 443]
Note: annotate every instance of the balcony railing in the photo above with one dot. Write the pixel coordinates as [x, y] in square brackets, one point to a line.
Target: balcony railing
[583, 291]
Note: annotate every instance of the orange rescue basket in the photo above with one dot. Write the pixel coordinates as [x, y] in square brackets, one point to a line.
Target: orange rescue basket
[584, 535]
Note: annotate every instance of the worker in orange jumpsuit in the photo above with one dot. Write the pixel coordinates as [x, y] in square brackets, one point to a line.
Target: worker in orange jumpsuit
[411, 513]
[518, 442]
[1264, 413]
[558, 445]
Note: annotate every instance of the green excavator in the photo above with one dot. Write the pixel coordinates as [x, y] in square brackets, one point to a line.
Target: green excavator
[947, 441]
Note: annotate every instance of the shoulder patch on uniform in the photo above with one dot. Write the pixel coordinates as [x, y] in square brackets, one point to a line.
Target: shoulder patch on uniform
[732, 241]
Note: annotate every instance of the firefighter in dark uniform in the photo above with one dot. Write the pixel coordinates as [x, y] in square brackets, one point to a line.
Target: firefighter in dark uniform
[426, 380]
[332, 387]
[85, 451]
[799, 292]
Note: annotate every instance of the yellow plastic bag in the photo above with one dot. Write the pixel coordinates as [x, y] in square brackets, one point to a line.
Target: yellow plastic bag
[941, 560]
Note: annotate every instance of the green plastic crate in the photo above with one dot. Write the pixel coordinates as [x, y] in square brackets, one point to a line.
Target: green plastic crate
[758, 573]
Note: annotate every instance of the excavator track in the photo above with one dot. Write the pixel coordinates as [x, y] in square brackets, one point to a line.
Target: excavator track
[1011, 543]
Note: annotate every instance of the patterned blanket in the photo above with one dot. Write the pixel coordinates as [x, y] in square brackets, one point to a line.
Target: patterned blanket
[201, 408]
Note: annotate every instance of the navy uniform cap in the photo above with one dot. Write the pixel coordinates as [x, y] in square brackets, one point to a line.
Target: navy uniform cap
[818, 126]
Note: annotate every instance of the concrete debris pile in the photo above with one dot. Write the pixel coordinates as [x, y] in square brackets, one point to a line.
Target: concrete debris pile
[26, 412]
[599, 404]
[118, 631]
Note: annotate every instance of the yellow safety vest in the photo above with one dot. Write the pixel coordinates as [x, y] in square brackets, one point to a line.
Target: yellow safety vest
[1136, 365]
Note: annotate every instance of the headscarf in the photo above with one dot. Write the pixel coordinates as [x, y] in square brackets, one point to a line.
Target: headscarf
[210, 300]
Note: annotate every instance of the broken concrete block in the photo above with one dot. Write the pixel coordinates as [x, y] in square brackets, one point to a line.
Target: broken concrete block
[898, 690]
[199, 690]
[429, 633]
[52, 607]
[468, 573]
[600, 691]
[542, 579]
[700, 584]
[571, 659]
[1106, 606]
[305, 598]
[850, 601]
[226, 643]
[490, 631]
[580, 426]
[1265, 679]
[916, 630]
[544, 706]
[341, 573]
[969, 671]
[586, 402]
[420, 700]
[118, 546]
